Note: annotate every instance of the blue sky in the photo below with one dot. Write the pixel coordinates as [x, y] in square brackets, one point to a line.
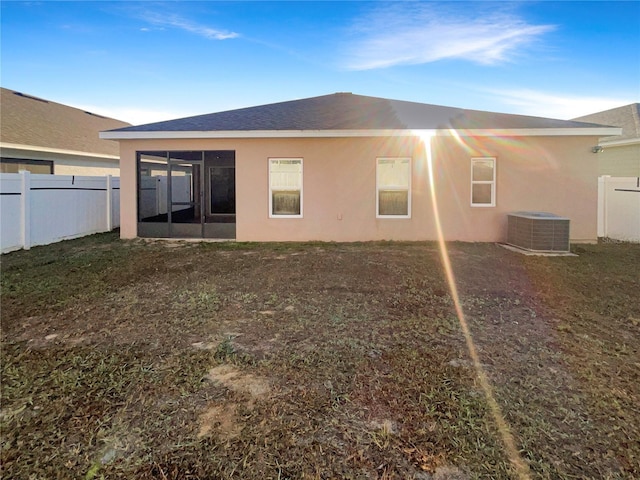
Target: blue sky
[149, 61]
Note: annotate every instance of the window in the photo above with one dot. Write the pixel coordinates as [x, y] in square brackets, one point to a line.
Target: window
[285, 187]
[393, 183]
[483, 182]
[14, 165]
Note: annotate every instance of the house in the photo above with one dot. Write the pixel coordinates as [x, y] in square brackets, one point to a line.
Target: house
[42, 136]
[347, 167]
[620, 155]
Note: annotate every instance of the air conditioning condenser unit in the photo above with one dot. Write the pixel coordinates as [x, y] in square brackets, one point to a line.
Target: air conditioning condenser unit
[538, 231]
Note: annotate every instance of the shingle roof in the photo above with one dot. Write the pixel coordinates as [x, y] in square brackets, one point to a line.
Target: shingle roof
[627, 117]
[346, 111]
[28, 120]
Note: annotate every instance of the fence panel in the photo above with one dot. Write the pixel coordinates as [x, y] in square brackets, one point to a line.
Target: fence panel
[11, 212]
[42, 209]
[619, 208]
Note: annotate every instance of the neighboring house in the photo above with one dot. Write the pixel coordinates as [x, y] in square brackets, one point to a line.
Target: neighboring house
[47, 137]
[346, 167]
[620, 155]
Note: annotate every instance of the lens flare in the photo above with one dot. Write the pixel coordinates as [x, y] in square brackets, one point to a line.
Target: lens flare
[521, 467]
[519, 149]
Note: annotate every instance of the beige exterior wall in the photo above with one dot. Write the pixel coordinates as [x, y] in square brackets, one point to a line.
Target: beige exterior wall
[553, 174]
[620, 161]
[88, 168]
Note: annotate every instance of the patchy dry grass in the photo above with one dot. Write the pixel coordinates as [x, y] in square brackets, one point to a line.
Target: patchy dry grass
[230, 360]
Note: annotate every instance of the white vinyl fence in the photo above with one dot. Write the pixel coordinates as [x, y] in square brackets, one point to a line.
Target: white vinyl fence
[153, 194]
[41, 209]
[619, 208]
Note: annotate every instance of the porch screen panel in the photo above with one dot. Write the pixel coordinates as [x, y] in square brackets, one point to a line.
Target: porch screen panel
[223, 192]
[186, 171]
[152, 187]
[184, 193]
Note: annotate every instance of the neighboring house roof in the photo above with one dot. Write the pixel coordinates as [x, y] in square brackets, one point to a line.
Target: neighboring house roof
[346, 114]
[626, 117]
[32, 123]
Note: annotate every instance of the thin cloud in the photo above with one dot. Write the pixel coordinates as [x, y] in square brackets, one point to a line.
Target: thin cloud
[409, 34]
[181, 23]
[555, 105]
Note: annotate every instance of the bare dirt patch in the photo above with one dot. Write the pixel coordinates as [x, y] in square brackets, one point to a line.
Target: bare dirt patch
[222, 416]
[232, 378]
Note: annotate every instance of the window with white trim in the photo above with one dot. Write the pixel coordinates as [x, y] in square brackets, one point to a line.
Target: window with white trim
[483, 182]
[393, 187]
[285, 187]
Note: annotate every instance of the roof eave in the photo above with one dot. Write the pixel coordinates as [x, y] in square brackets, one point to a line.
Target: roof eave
[35, 149]
[619, 143]
[474, 132]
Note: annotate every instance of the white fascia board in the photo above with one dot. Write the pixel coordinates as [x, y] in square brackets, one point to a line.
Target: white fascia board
[506, 132]
[59, 151]
[619, 143]
[531, 132]
[254, 134]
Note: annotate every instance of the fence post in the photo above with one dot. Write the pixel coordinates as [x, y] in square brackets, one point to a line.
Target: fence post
[600, 212]
[605, 205]
[109, 203]
[25, 208]
[158, 189]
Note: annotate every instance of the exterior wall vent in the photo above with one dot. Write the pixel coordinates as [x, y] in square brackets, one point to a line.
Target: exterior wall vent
[538, 231]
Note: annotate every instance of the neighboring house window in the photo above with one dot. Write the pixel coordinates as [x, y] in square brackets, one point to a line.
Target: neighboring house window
[483, 182]
[393, 187]
[14, 165]
[285, 187]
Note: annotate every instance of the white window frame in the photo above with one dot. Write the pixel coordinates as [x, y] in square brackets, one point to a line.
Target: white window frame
[491, 182]
[408, 189]
[271, 214]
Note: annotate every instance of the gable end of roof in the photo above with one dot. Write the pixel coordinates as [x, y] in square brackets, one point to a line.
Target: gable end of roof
[626, 117]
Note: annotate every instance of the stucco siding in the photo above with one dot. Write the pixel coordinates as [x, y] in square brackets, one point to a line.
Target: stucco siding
[554, 174]
[338, 192]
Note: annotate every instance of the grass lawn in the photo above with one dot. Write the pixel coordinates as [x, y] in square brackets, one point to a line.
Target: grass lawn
[126, 359]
